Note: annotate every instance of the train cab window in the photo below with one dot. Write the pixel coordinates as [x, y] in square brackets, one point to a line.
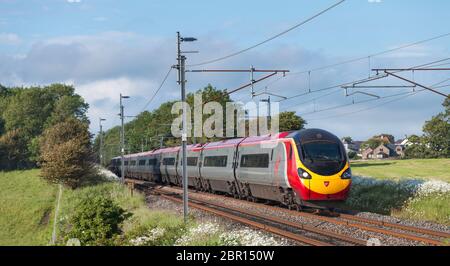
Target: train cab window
[152, 162]
[169, 161]
[133, 163]
[215, 161]
[125, 163]
[255, 160]
[142, 162]
[192, 161]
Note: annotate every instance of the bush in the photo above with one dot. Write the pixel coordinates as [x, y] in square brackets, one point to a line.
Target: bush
[96, 221]
[352, 155]
[66, 153]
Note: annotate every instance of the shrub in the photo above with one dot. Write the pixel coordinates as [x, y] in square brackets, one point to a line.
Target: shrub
[65, 152]
[352, 155]
[96, 221]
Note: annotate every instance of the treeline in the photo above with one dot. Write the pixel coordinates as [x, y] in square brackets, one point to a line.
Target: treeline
[151, 130]
[26, 113]
[435, 141]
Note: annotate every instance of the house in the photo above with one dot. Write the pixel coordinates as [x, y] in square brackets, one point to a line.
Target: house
[352, 145]
[367, 154]
[383, 151]
[385, 139]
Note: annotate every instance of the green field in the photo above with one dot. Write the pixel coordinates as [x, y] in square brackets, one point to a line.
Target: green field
[27, 205]
[26, 208]
[438, 169]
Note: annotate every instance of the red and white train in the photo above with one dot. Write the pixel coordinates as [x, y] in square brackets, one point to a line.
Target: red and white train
[299, 168]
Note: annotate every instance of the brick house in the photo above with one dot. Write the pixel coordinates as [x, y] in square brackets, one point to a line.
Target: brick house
[367, 154]
[383, 151]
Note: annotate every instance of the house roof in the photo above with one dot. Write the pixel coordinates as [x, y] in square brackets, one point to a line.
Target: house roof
[399, 142]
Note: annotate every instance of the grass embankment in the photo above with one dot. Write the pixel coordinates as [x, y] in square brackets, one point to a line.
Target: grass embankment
[26, 208]
[27, 205]
[415, 189]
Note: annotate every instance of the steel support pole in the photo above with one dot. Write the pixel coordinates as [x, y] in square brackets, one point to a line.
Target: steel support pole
[122, 144]
[182, 80]
[101, 143]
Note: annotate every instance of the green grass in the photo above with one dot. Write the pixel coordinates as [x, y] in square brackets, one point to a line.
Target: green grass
[26, 208]
[27, 205]
[386, 193]
[438, 169]
[435, 207]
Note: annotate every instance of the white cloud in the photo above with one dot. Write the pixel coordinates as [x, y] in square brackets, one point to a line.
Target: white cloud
[374, 1]
[73, 1]
[103, 65]
[9, 38]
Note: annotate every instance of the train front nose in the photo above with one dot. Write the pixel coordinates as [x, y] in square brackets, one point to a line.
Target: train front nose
[334, 187]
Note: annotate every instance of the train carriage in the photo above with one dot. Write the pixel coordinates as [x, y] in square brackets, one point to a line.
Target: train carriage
[306, 167]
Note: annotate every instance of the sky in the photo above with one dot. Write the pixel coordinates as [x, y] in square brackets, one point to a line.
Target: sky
[108, 47]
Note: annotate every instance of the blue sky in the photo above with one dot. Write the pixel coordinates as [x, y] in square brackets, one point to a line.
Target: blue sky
[107, 47]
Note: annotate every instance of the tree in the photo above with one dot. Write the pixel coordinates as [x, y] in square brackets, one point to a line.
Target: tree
[390, 137]
[372, 143]
[290, 121]
[66, 153]
[435, 142]
[13, 150]
[67, 106]
[347, 139]
[28, 110]
[437, 133]
[34, 109]
[417, 148]
[352, 155]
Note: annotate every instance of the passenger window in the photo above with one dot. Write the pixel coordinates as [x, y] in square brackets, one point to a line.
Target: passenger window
[192, 161]
[215, 161]
[169, 161]
[255, 160]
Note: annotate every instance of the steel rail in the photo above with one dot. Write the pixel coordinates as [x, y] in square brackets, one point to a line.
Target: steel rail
[251, 223]
[300, 226]
[355, 225]
[394, 225]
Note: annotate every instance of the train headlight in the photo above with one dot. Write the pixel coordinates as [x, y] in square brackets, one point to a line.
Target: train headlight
[347, 174]
[303, 174]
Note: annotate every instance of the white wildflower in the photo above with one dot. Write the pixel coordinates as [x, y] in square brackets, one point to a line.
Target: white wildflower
[247, 237]
[197, 233]
[431, 187]
[153, 235]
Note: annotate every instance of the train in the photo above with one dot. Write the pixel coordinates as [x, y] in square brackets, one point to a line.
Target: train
[308, 167]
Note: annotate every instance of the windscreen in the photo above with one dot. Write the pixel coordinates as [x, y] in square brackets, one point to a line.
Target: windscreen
[321, 152]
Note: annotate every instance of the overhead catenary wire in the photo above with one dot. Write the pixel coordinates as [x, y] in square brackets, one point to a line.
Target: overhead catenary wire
[357, 59]
[157, 91]
[269, 39]
[369, 108]
[352, 82]
[370, 56]
[435, 86]
[366, 79]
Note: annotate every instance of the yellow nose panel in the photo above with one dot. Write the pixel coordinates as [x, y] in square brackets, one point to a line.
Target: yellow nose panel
[323, 184]
[331, 186]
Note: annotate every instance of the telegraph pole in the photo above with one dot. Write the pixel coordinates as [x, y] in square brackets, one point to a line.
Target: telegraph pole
[181, 67]
[122, 140]
[101, 140]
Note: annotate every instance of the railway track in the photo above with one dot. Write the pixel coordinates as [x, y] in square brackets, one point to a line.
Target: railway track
[281, 227]
[422, 235]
